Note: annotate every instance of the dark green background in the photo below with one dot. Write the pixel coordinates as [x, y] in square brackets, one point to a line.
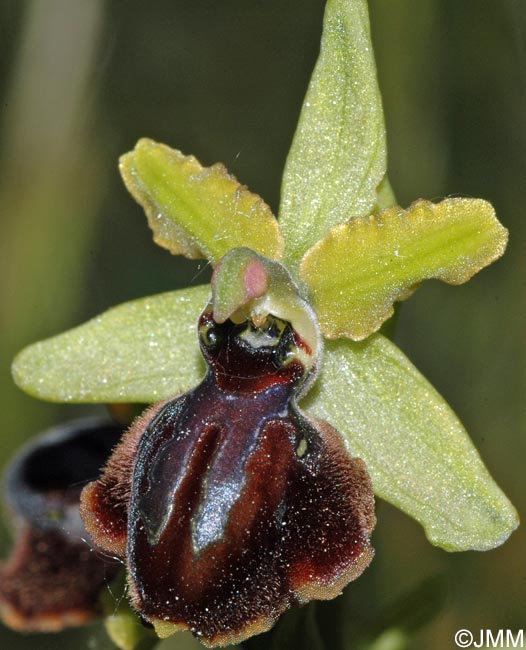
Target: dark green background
[82, 80]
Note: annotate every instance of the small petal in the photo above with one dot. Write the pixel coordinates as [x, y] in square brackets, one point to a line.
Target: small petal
[53, 577]
[362, 267]
[197, 211]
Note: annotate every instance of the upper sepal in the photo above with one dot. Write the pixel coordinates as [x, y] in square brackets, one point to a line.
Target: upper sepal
[338, 156]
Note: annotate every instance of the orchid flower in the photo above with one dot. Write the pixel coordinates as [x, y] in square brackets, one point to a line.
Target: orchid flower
[279, 405]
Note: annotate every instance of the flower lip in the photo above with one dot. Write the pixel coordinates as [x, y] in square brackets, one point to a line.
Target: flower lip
[228, 503]
[44, 480]
[53, 579]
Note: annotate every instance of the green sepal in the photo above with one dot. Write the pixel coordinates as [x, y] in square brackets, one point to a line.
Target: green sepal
[417, 452]
[141, 351]
[338, 156]
[197, 211]
[357, 272]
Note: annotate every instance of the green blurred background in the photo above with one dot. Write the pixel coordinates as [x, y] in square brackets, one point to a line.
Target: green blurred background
[82, 80]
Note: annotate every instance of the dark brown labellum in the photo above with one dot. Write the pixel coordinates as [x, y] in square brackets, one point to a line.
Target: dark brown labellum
[53, 578]
[239, 506]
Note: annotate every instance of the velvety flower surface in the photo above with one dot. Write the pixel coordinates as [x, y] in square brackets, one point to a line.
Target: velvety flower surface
[235, 505]
[54, 577]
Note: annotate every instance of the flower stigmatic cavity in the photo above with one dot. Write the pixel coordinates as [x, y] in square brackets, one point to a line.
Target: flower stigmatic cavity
[249, 286]
[228, 503]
